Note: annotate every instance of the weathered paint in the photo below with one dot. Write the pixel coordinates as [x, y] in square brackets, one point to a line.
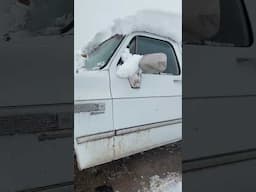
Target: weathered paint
[132, 143]
[105, 150]
[93, 153]
[157, 100]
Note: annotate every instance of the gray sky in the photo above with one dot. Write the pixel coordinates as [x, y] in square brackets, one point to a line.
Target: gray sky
[96, 15]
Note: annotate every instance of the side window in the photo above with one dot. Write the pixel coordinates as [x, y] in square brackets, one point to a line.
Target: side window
[132, 46]
[144, 45]
[216, 22]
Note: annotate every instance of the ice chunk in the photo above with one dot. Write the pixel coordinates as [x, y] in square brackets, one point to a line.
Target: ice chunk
[130, 64]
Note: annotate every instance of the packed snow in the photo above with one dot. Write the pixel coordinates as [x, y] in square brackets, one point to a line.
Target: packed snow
[171, 183]
[163, 23]
[130, 64]
[158, 22]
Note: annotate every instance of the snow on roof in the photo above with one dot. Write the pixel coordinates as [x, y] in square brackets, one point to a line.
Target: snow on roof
[158, 22]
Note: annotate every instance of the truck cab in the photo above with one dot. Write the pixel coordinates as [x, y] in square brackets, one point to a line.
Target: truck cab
[115, 118]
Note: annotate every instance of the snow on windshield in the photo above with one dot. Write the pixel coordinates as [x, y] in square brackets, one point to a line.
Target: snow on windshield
[158, 22]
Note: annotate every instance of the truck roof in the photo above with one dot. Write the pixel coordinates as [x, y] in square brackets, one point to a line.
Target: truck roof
[160, 23]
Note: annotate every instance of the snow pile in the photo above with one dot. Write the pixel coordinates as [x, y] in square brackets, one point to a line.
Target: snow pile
[172, 183]
[130, 64]
[158, 22]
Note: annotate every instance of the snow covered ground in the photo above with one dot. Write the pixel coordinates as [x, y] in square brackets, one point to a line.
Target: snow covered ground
[157, 170]
[171, 183]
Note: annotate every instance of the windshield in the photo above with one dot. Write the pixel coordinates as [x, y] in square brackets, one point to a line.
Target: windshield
[99, 58]
[37, 17]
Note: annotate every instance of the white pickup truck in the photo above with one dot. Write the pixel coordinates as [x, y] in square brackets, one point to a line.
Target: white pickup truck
[114, 117]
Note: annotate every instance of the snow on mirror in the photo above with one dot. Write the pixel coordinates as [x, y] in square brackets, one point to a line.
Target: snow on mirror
[150, 63]
[133, 65]
[130, 64]
[130, 68]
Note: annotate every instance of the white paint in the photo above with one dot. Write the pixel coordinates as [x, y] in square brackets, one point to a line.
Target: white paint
[94, 153]
[87, 124]
[91, 85]
[158, 99]
[132, 143]
[140, 111]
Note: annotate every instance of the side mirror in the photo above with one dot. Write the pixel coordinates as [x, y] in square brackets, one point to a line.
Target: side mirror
[135, 80]
[153, 63]
[130, 69]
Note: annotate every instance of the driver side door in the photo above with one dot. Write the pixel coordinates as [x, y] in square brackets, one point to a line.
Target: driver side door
[148, 116]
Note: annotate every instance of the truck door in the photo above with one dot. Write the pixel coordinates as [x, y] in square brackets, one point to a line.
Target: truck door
[157, 103]
[93, 119]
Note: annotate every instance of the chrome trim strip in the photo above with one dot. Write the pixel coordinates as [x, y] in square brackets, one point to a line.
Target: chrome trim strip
[94, 137]
[147, 126]
[104, 135]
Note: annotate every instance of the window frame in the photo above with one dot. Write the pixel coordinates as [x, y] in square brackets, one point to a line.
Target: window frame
[161, 40]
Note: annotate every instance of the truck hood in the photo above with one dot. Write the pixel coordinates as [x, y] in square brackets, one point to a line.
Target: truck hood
[92, 85]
